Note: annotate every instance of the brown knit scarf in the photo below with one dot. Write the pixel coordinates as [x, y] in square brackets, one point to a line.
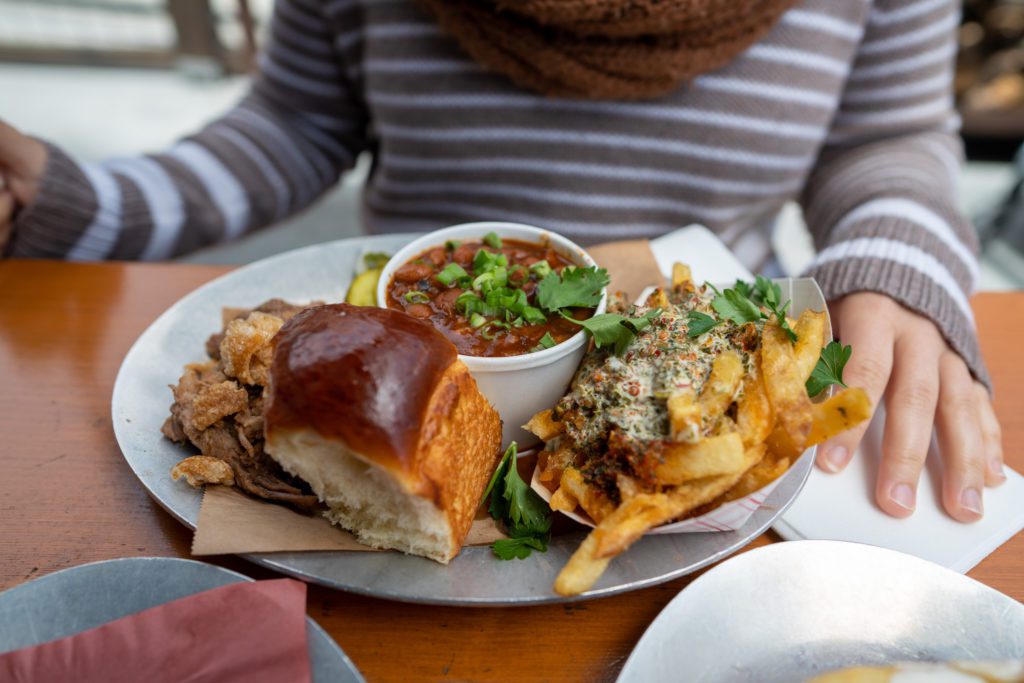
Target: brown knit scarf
[605, 49]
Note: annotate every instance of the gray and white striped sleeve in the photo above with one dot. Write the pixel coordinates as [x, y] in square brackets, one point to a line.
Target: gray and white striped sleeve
[287, 142]
[881, 198]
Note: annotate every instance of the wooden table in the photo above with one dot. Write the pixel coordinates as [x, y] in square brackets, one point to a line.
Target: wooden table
[67, 496]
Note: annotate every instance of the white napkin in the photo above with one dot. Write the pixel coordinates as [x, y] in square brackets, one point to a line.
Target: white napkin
[696, 246]
[841, 506]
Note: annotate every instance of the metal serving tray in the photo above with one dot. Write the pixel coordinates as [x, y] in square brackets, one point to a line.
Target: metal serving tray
[141, 399]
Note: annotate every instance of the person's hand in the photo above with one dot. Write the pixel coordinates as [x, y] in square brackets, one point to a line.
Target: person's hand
[22, 161]
[903, 356]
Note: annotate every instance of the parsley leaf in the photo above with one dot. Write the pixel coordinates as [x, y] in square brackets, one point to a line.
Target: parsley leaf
[742, 304]
[769, 294]
[699, 323]
[575, 287]
[524, 513]
[613, 329]
[745, 290]
[766, 292]
[732, 305]
[829, 369]
[783, 323]
[526, 510]
[518, 548]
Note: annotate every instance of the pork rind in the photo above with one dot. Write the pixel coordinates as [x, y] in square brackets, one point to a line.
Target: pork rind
[203, 469]
[246, 351]
[218, 401]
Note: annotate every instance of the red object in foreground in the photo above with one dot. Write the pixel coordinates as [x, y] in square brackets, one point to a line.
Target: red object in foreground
[253, 632]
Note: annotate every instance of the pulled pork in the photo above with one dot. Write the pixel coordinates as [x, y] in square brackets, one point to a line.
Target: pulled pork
[218, 405]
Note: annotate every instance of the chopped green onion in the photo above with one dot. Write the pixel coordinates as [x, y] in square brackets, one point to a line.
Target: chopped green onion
[482, 279]
[469, 303]
[451, 272]
[464, 281]
[452, 245]
[477, 320]
[534, 315]
[541, 269]
[500, 276]
[491, 239]
[484, 261]
[501, 260]
[416, 297]
[547, 341]
[487, 334]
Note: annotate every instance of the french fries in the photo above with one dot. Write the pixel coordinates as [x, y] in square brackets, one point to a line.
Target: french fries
[658, 299]
[684, 415]
[644, 511]
[543, 426]
[753, 411]
[841, 412]
[783, 384]
[810, 337]
[710, 457]
[735, 416]
[681, 275]
[573, 490]
[720, 388]
[582, 570]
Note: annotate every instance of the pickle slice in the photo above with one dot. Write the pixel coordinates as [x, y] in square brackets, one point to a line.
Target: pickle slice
[363, 290]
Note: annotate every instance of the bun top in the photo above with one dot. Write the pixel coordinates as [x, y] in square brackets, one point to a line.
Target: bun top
[360, 374]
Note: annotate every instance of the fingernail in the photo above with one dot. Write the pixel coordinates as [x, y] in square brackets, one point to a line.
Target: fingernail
[902, 495]
[995, 467]
[970, 500]
[836, 458]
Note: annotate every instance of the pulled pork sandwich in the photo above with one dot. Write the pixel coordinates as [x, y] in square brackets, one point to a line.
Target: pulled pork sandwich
[374, 409]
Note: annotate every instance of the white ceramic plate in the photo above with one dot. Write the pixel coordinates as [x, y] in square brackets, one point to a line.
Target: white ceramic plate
[67, 602]
[141, 400]
[789, 611]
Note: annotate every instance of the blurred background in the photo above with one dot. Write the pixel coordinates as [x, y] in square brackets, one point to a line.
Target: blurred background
[110, 77]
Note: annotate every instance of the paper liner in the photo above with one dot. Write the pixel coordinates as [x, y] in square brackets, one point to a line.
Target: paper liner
[728, 517]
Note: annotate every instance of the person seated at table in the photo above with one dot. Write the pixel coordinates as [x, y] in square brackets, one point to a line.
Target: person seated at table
[605, 120]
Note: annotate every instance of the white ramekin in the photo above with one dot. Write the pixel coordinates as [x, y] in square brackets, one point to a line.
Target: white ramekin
[517, 386]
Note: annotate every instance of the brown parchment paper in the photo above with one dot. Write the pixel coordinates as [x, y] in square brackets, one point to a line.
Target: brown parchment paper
[231, 522]
[630, 264]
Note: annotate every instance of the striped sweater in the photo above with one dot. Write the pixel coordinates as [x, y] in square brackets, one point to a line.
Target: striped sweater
[845, 106]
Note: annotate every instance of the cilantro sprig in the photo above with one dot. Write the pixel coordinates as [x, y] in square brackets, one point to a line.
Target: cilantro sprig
[574, 288]
[494, 299]
[699, 323]
[581, 288]
[615, 330]
[743, 303]
[829, 369]
[525, 515]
